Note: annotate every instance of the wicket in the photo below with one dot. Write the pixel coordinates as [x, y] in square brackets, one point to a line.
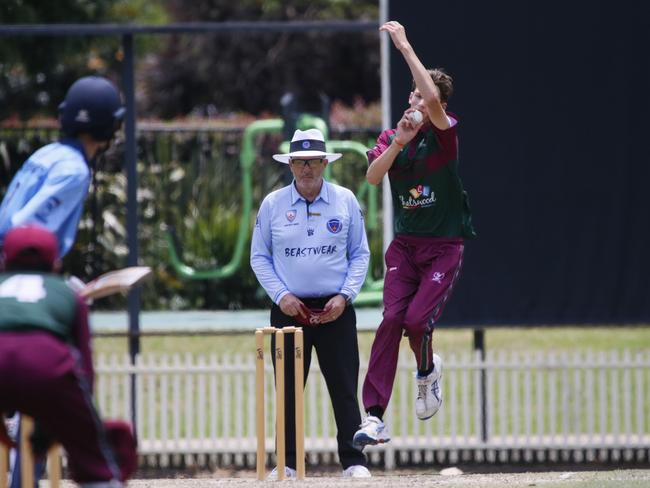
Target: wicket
[279, 399]
[27, 459]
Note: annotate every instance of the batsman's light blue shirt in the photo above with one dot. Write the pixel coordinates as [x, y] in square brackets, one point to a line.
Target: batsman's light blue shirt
[49, 190]
[310, 249]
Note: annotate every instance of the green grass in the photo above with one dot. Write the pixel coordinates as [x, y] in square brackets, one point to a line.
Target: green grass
[511, 339]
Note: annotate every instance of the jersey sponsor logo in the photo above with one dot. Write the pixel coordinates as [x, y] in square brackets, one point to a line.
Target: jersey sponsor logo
[304, 252]
[334, 226]
[419, 196]
[291, 214]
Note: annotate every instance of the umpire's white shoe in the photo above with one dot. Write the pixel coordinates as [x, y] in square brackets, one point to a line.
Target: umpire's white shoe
[372, 431]
[356, 471]
[289, 474]
[429, 397]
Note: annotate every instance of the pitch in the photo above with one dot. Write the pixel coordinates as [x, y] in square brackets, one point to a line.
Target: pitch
[630, 478]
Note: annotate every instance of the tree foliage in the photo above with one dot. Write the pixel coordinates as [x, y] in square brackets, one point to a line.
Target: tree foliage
[200, 74]
[35, 71]
[206, 74]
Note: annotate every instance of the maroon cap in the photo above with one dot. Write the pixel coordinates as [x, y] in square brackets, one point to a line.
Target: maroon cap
[30, 245]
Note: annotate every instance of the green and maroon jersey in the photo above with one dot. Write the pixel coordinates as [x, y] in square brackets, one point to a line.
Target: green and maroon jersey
[428, 195]
[37, 301]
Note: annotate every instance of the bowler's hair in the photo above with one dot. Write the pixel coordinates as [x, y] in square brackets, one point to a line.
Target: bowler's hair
[442, 80]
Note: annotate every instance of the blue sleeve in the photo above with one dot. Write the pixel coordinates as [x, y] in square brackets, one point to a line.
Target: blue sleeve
[262, 255]
[358, 251]
[57, 205]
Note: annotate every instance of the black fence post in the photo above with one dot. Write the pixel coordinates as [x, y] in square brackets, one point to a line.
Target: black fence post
[128, 82]
[479, 345]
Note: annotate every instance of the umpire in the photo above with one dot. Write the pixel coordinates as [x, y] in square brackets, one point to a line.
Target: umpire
[310, 253]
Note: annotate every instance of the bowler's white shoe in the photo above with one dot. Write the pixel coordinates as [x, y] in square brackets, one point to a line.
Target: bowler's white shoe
[429, 397]
[289, 474]
[11, 425]
[102, 484]
[356, 471]
[372, 431]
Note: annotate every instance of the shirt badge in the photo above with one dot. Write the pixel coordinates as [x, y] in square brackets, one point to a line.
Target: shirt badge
[291, 214]
[334, 226]
[420, 190]
[310, 232]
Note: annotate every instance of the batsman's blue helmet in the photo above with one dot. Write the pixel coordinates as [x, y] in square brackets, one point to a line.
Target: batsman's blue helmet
[93, 106]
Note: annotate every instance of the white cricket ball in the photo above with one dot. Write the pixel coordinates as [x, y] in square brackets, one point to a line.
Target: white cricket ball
[416, 116]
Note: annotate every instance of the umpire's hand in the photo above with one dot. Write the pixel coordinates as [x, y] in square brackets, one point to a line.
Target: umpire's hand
[333, 309]
[291, 305]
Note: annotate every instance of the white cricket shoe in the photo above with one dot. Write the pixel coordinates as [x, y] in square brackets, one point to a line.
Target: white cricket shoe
[372, 431]
[356, 471]
[102, 484]
[289, 474]
[11, 425]
[429, 397]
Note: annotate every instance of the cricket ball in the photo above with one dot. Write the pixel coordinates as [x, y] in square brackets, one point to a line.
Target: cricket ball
[416, 117]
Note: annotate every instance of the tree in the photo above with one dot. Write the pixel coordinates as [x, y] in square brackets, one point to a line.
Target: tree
[35, 72]
[191, 73]
[250, 72]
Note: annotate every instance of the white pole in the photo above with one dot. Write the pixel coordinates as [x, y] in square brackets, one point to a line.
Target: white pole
[387, 201]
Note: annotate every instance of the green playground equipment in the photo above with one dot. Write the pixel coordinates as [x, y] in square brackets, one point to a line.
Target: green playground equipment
[246, 160]
[372, 290]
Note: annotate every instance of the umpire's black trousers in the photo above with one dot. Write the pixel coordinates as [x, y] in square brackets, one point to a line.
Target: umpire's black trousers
[338, 356]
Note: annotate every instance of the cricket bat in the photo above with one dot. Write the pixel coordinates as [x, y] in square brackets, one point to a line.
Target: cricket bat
[119, 281]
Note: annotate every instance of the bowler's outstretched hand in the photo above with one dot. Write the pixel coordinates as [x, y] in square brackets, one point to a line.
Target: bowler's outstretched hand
[397, 33]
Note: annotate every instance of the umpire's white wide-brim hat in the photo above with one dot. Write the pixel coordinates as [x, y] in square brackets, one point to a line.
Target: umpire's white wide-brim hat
[308, 143]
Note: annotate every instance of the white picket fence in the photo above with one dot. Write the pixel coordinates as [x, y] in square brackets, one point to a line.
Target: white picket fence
[578, 406]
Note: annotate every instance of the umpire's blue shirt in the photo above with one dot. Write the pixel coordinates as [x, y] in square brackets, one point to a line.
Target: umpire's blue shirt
[310, 249]
[49, 189]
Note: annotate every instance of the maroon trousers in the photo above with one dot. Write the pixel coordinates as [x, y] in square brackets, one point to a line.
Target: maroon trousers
[41, 377]
[420, 275]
